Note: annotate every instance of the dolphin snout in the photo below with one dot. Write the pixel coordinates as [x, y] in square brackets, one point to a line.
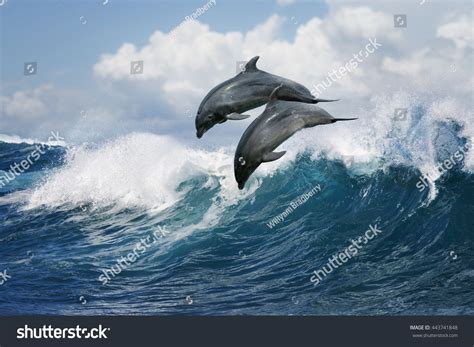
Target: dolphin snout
[200, 131]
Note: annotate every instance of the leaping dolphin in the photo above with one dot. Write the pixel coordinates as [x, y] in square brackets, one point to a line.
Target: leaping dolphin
[249, 89]
[279, 121]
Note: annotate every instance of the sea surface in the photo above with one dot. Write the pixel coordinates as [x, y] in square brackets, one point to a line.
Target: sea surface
[71, 217]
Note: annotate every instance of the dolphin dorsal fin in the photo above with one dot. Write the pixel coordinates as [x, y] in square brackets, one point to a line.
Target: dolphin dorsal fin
[272, 156]
[251, 65]
[276, 93]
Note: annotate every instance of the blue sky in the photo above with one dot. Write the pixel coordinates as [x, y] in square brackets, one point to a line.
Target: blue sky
[83, 87]
[51, 32]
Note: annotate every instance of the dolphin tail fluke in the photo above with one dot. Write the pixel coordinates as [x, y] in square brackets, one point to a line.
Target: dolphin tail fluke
[342, 119]
[315, 101]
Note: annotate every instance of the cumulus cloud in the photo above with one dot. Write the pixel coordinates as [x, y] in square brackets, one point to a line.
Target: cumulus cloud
[186, 64]
[285, 2]
[27, 104]
[459, 31]
[445, 65]
[361, 22]
[37, 111]
[181, 66]
[410, 66]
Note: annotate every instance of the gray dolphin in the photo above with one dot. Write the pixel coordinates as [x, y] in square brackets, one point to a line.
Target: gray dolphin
[249, 89]
[279, 121]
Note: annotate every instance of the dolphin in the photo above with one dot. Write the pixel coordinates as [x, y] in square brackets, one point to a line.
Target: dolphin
[278, 122]
[247, 90]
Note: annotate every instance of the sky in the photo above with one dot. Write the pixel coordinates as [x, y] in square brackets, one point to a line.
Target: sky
[83, 49]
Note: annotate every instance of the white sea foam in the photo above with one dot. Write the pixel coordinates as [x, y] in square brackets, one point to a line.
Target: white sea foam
[376, 140]
[135, 170]
[145, 169]
[15, 139]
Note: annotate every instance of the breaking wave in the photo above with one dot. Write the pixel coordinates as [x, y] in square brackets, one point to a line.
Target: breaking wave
[79, 209]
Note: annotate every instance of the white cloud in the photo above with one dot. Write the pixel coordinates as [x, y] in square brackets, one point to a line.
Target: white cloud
[285, 2]
[459, 31]
[444, 65]
[38, 111]
[361, 22]
[411, 66]
[27, 104]
[186, 64]
[180, 68]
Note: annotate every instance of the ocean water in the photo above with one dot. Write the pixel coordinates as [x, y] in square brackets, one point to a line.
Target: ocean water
[210, 251]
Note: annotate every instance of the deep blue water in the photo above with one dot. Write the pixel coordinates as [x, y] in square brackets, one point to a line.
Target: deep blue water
[421, 263]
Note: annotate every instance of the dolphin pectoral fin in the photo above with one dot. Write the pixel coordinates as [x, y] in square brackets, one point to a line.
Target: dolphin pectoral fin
[342, 119]
[325, 100]
[283, 93]
[236, 116]
[272, 156]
